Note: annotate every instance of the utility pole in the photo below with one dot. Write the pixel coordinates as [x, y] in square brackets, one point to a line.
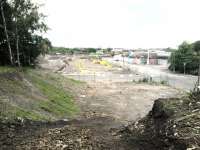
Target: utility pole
[6, 32]
[123, 60]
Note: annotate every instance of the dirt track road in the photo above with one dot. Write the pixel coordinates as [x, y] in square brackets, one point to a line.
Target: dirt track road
[123, 101]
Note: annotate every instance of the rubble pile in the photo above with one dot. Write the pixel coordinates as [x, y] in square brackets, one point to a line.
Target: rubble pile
[172, 124]
[58, 135]
[61, 138]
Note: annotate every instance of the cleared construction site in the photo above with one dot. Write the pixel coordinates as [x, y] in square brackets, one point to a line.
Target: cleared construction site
[102, 106]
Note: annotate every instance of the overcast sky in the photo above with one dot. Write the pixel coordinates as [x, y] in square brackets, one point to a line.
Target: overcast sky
[122, 23]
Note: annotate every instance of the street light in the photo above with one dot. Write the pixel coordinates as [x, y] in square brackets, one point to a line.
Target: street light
[184, 64]
[174, 62]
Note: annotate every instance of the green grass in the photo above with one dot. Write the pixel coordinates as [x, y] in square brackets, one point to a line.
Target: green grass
[61, 79]
[9, 69]
[11, 112]
[59, 102]
[29, 114]
[49, 101]
[6, 69]
[76, 81]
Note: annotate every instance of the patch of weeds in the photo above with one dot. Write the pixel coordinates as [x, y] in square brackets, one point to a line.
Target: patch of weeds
[10, 112]
[76, 81]
[163, 82]
[149, 80]
[29, 114]
[13, 85]
[7, 69]
[144, 80]
[59, 102]
[50, 98]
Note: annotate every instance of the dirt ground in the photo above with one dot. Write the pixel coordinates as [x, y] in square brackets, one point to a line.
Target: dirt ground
[122, 101]
[109, 101]
[112, 92]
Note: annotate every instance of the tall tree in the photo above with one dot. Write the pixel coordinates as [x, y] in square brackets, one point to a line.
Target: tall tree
[27, 23]
[6, 31]
[183, 59]
[196, 47]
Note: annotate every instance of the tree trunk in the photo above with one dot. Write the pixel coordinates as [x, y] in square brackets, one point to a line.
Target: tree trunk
[17, 46]
[198, 81]
[174, 63]
[6, 33]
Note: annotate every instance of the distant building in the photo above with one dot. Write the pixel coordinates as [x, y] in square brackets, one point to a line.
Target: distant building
[153, 60]
[163, 57]
[149, 57]
[139, 58]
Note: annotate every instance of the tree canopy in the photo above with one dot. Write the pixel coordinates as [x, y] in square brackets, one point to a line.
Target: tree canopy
[186, 58]
[24, 25]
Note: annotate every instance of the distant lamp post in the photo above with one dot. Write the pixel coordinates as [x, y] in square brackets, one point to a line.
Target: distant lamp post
[184, 65]
[174, 70]
[148, 57]
[174, 62]
[123, 60]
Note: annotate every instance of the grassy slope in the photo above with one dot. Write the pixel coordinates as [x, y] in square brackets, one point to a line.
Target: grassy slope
[36, 95]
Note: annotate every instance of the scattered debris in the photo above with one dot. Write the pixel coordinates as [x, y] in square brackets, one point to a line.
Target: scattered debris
[172, 124]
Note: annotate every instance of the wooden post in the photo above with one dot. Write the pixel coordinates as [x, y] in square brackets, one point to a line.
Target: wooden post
[6, 33]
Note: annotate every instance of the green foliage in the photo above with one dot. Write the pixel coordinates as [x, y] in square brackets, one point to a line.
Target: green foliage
[144, 80]
[196, 47]
[60, 102]
[64, 50]
[24, 23]
[91, 50]
[7, 69]
[186, 54]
